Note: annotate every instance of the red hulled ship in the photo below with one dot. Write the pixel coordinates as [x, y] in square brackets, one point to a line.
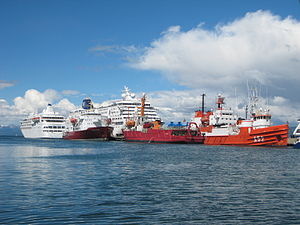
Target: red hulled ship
[140, 130]
[222, 127]
[87, 123]
[159, 135]
[99, 133]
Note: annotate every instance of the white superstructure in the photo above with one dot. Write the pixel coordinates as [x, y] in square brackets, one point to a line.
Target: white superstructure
[224, 122]
[296, 135]
[85, 117]
[121, 110]
[48, 124]
[296, 132]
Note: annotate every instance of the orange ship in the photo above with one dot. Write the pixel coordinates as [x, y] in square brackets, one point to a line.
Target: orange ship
[222, 127]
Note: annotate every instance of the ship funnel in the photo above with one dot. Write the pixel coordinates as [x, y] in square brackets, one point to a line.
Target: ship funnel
[87, 103]
[203, 96]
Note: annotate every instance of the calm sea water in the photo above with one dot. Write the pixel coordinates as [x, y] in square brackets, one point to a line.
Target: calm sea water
[58, 181]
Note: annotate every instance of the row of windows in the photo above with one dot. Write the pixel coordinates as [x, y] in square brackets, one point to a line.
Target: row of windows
[138, 103]
[53, 131]
[262, 117]
[130, 107]
[228, 119]
[53, 118]
[119, 118]
[26, 124]
[54, 127]
[58, 121]
[226, 114]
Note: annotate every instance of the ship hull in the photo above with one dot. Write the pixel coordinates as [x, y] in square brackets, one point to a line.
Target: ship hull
[97, 133]
[37, 132]
[163, 136]
[269, 136]
[297, 144]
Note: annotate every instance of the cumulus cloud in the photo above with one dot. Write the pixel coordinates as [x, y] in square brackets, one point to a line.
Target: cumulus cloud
[260, 46]
[64, 106]
[279, 100]
[175, 105]
[180, 105]
[8, 114]
[3, 103]
[5, 84]
[33, 101]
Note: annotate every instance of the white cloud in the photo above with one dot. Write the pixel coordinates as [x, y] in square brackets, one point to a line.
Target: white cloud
[70, 92]
[114, 48]
[179, 105]
[3, 104]
[5, 84]
[32, 101]
[64, 106]
[259, 46]
[8, 114]
[279, 100]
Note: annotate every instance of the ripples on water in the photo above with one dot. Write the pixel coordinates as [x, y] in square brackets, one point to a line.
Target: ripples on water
[57, 181]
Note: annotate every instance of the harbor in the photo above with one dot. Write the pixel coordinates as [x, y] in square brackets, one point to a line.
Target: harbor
[173, 112]
[135, 119]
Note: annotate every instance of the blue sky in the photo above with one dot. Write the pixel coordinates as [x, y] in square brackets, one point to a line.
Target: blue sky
[87, 46]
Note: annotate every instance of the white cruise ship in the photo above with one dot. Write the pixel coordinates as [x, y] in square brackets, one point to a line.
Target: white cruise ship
[121, 110]
[48, 124]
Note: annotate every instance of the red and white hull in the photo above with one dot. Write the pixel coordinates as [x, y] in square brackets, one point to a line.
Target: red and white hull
[268, 136]
[223, 127]
[98, 133]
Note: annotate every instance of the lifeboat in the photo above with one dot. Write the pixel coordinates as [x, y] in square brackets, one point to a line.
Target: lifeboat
[130, 123]
[148, 125]
[73, 120]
